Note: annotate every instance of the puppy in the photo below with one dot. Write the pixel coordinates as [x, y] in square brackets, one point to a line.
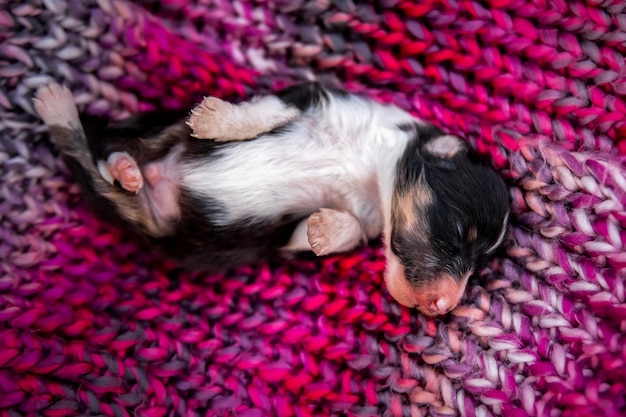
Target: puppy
[307, 169]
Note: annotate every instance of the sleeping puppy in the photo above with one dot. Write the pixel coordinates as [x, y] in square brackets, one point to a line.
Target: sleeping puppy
[307, 169]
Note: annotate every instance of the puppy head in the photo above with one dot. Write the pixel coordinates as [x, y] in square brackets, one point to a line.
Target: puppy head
[449, 213]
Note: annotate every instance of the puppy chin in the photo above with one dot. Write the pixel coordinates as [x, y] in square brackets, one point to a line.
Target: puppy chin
[397, 285]
[435, 298]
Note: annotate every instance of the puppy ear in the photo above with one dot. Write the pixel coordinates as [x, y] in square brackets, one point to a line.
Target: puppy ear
[445, 146]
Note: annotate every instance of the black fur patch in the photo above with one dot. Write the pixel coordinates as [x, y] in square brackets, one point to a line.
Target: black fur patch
[104, 137]
[303, 96]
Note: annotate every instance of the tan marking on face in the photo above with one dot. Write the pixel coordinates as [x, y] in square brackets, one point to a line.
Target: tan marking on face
[472, 234]
[404, 206]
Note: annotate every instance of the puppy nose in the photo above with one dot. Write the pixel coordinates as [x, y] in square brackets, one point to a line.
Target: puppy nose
[441, 305]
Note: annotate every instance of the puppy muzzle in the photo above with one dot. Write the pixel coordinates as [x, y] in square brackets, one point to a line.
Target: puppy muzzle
[439, 296]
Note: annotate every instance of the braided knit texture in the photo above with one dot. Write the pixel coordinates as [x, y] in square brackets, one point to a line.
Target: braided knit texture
[93, 323]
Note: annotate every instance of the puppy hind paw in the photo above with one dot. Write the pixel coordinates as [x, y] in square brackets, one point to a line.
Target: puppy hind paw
[122, 167]
[318, 234]
[331, 231]
[55, 105]
[206, 119]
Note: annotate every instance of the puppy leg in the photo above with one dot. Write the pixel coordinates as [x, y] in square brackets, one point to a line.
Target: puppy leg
[332, 231]
[55, 105]
[222, 121]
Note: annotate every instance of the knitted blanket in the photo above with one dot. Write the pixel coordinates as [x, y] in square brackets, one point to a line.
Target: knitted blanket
[92, 322]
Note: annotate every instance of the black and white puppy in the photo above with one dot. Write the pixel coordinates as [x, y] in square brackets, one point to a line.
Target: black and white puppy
[325, 171]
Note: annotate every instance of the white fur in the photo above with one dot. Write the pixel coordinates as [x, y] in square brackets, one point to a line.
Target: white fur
[356, 176]
[445, 146]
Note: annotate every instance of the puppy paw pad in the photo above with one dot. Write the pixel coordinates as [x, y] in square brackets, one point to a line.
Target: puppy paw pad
[125, 170]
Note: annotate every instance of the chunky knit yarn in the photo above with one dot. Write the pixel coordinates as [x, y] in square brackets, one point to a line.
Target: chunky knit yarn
[93, 323]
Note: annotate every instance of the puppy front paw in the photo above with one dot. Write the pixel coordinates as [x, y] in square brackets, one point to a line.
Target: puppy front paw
[332, 231]
[207, 119]
[122, 167]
